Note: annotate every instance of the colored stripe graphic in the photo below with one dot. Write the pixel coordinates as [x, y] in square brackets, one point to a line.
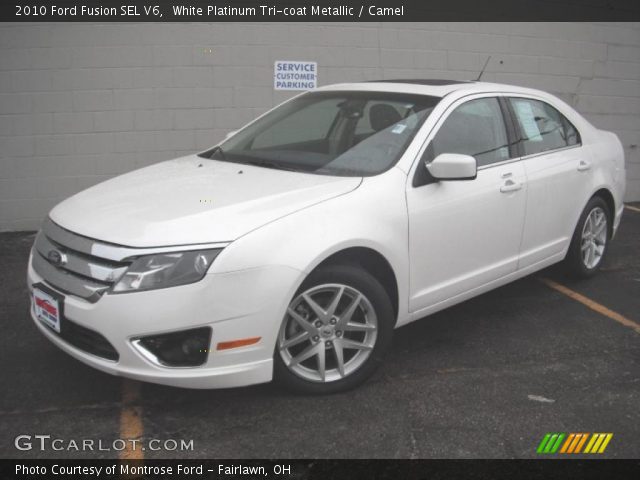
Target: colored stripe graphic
[605, 443]
[572, 443]
[556, 445]
[551, 442]
[543, 443]
[598, 443]
[581, 442]
[567, 443]
[594, 437]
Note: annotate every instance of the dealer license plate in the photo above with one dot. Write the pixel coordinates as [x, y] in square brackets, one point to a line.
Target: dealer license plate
[47, 309]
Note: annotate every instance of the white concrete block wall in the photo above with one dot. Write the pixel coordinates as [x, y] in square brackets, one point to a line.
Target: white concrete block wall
[80, 103]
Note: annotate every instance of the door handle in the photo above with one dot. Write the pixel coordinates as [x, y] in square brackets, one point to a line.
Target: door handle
[510, 186]
[584, 166]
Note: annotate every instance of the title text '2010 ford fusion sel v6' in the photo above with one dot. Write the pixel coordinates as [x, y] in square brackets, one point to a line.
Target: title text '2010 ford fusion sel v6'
[296, 246]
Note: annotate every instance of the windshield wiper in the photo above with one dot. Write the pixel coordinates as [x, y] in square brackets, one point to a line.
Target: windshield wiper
[270, 164]
[217, 150]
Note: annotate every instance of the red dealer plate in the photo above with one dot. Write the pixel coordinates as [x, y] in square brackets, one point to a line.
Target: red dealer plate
[47, 309]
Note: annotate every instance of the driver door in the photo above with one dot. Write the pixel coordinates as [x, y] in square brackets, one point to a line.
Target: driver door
[465, 234]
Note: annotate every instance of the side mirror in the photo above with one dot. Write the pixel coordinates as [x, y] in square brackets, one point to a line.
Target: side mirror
[453, 166]
[230, 134]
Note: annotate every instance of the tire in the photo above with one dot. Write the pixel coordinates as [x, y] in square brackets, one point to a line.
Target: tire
[590, 237]
[321, 333]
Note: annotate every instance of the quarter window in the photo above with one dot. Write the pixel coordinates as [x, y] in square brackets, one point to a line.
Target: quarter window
[542, 127]
[475, 128]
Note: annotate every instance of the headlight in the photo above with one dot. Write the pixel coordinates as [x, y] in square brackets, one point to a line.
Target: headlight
[166, 270]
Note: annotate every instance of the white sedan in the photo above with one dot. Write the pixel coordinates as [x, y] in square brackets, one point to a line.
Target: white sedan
[294, 248]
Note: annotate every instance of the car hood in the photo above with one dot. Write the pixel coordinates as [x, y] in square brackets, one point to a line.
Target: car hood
[192, 200]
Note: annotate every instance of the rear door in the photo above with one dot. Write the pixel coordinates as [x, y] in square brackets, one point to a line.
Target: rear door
[557, 168]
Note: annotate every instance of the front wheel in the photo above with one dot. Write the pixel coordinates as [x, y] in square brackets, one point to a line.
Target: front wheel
[590, 239]
[335, 331]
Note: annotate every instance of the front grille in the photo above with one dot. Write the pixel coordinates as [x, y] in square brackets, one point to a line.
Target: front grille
[88, 340]
[73, 264]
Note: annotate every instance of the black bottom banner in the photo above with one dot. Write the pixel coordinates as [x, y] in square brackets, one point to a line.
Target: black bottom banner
[319, 469]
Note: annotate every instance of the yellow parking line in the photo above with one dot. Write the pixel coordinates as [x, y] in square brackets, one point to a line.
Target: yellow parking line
[634, 209]
[595, 306]
[131, 420]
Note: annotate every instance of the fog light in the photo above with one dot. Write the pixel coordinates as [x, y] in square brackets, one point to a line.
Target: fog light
[188, 348]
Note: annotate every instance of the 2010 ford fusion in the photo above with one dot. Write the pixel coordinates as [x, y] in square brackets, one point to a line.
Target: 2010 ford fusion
[295, 247]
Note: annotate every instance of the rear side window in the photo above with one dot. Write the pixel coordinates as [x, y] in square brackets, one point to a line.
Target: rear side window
[542, 127]
[475, 128]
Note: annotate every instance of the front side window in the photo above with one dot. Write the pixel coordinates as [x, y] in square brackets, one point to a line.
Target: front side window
[542, 127]
[331, 133]
[474, 128]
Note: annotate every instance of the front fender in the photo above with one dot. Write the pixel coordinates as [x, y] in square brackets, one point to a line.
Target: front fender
[373, 216]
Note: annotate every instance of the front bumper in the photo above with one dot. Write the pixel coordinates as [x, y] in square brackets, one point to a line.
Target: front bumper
[236, 305]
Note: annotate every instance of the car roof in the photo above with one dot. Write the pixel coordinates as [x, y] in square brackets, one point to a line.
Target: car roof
[421, 81]
[433, 87]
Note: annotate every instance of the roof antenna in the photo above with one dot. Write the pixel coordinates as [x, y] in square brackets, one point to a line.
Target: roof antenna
[485, 66]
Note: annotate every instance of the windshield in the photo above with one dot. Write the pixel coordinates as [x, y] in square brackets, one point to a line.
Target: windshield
[331, 133]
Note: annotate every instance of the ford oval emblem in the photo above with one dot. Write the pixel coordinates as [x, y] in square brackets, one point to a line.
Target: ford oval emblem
[56, 258]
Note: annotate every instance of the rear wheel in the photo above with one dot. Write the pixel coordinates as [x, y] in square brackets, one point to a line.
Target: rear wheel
[335, 331]
[590, 239]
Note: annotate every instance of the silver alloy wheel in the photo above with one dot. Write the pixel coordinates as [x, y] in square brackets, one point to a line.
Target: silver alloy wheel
[328, 333]
[594, 238]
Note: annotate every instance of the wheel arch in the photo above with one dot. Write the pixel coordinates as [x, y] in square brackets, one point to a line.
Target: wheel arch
[371, 261]
[607, 196]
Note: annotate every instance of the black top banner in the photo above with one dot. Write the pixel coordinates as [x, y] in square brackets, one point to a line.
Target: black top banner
[310, 11]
